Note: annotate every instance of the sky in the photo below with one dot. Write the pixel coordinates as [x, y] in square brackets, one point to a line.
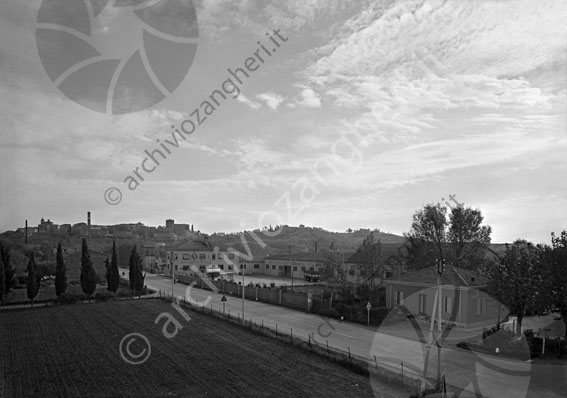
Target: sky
[367, 111]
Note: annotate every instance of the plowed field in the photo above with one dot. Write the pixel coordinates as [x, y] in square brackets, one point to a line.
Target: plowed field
[73, 351]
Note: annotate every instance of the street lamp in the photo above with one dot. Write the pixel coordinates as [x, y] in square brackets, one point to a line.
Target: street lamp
[501, 269]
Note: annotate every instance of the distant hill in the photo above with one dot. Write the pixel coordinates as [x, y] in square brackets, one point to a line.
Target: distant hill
[305, 239]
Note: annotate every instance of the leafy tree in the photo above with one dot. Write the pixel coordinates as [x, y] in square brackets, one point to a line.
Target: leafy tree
[518, 280]
[458, 236]
[33, 283]
[556, 277]
[332, 267]
[136, 277]
[88, 275]
[369, 255]
[467, 235]
[8, 270]
[112, 273]
[2, 284]
[60, 273]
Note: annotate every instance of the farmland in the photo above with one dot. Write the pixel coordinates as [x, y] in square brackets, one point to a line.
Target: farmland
[73, 351]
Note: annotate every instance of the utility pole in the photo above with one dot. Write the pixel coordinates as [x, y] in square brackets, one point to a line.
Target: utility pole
[436, 313]
[440, 269]
[242, 270]
[291, 268]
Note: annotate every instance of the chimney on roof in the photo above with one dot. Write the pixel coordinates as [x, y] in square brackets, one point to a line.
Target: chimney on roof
[89, 218]
[26, 232]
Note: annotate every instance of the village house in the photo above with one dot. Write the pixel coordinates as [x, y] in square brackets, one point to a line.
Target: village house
[464, 300]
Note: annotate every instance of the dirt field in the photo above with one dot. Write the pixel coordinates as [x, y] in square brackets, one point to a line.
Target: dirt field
[73, 351]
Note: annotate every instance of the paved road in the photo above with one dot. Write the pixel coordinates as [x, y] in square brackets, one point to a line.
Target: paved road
[468, 372]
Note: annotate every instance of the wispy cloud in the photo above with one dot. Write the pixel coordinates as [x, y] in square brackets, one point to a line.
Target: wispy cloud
[248, 102]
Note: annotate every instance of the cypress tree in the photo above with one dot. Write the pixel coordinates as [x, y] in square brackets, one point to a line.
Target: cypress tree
[60, 273]
[113, 277]
[88, 275]
[33, 286]
[8, 271]
[2, 284]
[136, 277]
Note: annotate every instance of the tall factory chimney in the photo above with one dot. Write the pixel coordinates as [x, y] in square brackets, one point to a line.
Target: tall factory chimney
[26, 232]
[89, 218]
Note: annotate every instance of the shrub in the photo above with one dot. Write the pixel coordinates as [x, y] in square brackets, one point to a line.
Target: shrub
[70, 298]
[103, 296]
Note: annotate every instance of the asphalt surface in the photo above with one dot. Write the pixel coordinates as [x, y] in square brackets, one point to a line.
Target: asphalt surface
[466, 372]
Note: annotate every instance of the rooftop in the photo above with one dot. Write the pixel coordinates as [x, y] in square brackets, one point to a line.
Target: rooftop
[452, 276]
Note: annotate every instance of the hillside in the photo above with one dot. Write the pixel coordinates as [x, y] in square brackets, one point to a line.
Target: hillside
[306, 238]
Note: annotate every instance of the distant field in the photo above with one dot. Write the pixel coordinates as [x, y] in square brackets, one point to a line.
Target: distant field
[73, 351]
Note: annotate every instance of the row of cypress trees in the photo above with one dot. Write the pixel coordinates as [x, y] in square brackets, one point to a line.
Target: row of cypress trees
[88, 275]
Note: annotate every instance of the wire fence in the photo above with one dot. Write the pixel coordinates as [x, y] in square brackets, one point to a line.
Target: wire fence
[390, 370]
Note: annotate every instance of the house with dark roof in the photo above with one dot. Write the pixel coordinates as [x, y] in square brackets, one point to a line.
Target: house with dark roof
[464, 298]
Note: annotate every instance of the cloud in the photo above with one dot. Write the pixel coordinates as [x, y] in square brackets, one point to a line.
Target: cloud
[309, 99]
[246, 101]
[273, 100]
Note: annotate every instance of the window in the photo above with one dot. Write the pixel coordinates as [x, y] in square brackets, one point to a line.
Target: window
[230, 267]
[447, 305]
[202, 256]
[185, 268]
[256, 266]
[302, 269]
[176, 267]
[221, 266]
[422, 303]
[202, 268]
[221, 256]
[480, 305]
[295, 268]
[273, 267]
[213, 256]
[244, 266]
[231, 256]
[399, 297]
[186, 256]
[351, 272]
[267, 266]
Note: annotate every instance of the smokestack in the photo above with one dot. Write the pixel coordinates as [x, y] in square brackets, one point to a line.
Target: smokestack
[89, 218]
[26, 232]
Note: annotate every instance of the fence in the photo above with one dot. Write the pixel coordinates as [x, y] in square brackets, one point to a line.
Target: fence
[271, 295]
[389, 370]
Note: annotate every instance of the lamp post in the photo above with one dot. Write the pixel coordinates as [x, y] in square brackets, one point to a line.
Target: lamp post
[172, 280]
[501, 269]
[243, 287]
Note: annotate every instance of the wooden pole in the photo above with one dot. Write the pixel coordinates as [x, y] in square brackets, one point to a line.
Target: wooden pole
[439, 332]
[429, 343]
